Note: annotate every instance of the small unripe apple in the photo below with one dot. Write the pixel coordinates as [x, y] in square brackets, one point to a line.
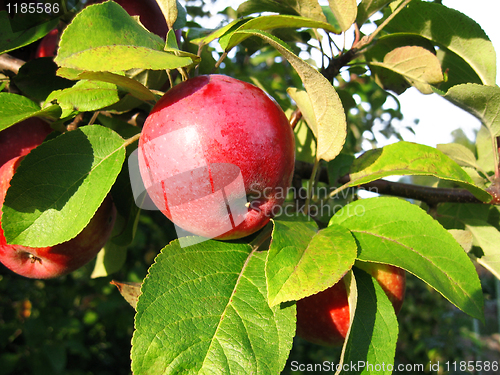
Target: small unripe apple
[216, 155]
[61, 259]
[323, 318]
[21, 138]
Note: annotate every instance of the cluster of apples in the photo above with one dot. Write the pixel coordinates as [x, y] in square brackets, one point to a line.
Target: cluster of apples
[46, 262]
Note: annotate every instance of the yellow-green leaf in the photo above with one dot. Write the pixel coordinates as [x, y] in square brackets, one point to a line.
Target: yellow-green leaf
[328, 109]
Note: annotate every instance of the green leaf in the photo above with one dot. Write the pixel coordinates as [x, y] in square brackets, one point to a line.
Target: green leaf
[169, 10]
[387, 78]
[458, 71]
[309, 9]
[406, 158]
[352, 299]
[417, 65]
[294, 272]
[305, 143]
[486, 150]
[85, 96]
[450, 29]
[393, 231]
[487, 237]
[103, 37]
[452, 215]
[367, 8]
[328, 110]
[301, 98]
[37, 79]
[202, 41]
[263, 23]
[344, 11]
[203, 309]
[135, 88]
[11, 40]
[15, 108]
[461, 154]
[481, 101]
[374, 332]
[60, 185]
[109, 260]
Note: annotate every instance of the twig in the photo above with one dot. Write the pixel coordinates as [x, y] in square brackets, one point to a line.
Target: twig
[7, 62]
[369, 38]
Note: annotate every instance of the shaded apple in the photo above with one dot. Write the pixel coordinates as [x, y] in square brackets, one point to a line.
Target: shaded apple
[48, 45]
[61, 259]
[21, 138]
[216, 155]
[323, 318]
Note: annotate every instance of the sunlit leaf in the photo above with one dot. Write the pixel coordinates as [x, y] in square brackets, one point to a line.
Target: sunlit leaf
[450, 29]
[345, 11]
[417, 65]
[203, 309]
[406, 158]
[393, 231]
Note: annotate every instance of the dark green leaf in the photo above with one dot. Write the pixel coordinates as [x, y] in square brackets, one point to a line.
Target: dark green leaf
[37, 79]
[15, 108]
[374, 331]
[11, 40]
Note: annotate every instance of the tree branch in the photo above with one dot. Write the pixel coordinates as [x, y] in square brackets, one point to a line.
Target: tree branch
[7, 62]
[427, 194]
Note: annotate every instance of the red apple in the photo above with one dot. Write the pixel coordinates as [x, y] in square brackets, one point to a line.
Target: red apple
[61, 259]
[323, 318]
[21, 138]
[210, 144]
[48, 44]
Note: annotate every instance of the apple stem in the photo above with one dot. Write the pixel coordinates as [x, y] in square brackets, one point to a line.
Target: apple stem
[131, 140]
[217, 64]
[295, 118]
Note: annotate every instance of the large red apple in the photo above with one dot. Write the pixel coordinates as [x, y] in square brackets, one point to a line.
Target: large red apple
[21, 138]
[216, 156]
[323, 318]
[58, 260]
